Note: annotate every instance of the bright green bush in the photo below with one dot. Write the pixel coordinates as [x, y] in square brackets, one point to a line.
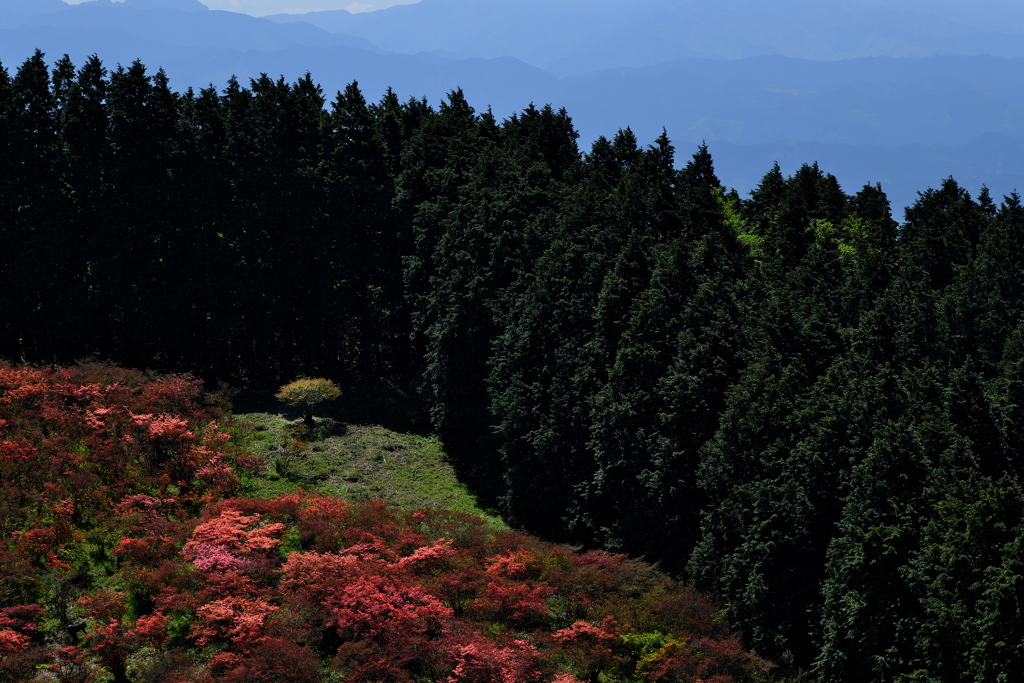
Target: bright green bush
[306, 394]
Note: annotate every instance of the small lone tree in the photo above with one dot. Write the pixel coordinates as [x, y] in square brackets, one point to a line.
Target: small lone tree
[307, 393]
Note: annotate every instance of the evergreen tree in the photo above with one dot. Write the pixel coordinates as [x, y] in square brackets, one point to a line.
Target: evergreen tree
[942, 230]
[871, 611]
[34, 226]
[544, 373]
[360, 185]
[667, 385]
[211, 325]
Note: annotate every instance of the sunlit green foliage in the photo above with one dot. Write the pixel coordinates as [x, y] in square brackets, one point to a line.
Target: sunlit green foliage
[307, 394]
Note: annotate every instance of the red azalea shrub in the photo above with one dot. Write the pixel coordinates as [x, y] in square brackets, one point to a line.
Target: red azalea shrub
[11, 641]
[386, 609]
[74, 440]
[20, 642]
[474, 658]
[513, 602]
[111, 477]
[268, 660]
[22, 619]
[231, 542]
[592, 647]
[234, 619]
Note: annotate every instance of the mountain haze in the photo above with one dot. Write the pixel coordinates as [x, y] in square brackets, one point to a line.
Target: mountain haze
[578, 36]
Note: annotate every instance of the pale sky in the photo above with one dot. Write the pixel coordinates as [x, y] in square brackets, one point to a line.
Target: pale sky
[260, 8]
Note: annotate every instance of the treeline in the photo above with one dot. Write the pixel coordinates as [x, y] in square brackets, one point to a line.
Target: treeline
[791, 399]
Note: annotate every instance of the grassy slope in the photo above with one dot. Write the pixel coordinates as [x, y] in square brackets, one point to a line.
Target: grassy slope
[355, 462]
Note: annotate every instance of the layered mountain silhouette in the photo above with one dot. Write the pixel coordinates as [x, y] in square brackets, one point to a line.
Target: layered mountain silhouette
[579, 36]
[863, 87]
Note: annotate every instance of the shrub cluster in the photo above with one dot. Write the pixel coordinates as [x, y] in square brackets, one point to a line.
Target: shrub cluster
[126, 558]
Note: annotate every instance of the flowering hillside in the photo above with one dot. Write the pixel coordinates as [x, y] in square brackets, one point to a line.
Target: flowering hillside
[126, 558]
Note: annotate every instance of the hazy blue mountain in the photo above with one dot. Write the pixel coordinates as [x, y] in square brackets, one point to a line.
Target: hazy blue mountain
[869, 101]
[151, 20]
[183, 5]
[31, 6]
[985, 14]
[577, 36]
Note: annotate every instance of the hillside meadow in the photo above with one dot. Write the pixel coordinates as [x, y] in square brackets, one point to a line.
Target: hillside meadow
[131, 552]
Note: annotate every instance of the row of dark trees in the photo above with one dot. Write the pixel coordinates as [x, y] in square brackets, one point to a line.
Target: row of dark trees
[791, 399]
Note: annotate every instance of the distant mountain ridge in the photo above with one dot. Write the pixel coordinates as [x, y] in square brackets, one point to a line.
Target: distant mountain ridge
[180, 23]
[31, 6]
[183, 5]
[45, 6]
[577, 36]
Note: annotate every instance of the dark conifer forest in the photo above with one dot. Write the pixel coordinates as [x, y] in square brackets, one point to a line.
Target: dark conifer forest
[793, 400]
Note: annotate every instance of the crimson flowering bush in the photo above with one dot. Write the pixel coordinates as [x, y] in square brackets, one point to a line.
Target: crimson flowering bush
[377, 594]
[99, 466]
[235, 619]
[11, 641]
[268, 660]
[592, 647]
[119, 486]
[74, 440]
[226, 543]
[18, 628]
[476, 659]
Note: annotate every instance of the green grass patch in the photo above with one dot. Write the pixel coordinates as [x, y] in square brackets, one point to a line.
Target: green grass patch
[355, 462]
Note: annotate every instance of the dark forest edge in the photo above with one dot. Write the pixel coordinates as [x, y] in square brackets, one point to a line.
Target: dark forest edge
[790, 399]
